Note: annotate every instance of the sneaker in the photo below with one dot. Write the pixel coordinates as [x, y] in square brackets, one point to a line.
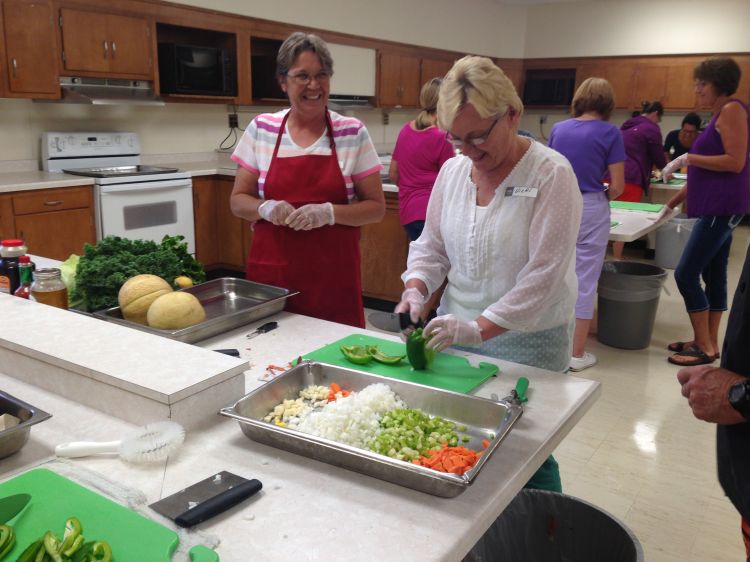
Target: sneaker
[581, 363]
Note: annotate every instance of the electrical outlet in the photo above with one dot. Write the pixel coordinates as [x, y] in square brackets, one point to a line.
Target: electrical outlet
[233, 121]
[386, 118]
[542, 119]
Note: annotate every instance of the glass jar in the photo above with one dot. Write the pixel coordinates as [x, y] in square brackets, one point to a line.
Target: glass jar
[48, 288]
[10, 251]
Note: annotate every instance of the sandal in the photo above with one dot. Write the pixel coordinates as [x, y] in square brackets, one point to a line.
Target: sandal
[694, 357]
[680, 346]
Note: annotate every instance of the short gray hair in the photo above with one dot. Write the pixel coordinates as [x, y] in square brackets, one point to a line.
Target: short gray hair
[296, 44]
[479, 82]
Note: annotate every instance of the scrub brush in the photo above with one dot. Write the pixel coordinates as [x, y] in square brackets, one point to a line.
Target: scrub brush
[151, 443]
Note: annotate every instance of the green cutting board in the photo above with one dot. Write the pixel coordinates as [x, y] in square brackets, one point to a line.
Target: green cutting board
[54, 499]
[633, 206]
[448, 372]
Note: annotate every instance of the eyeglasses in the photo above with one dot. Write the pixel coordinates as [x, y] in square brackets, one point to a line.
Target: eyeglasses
[303, 78]
[474, 141]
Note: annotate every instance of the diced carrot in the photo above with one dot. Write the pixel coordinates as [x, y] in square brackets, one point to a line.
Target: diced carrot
[485, 443]
[335, 388]
[345, 393]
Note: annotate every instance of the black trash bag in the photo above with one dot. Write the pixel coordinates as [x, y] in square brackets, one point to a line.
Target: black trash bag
[542, 526]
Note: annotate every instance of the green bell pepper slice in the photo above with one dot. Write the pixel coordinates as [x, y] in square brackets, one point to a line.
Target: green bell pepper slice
[381, 357]
[356, 354]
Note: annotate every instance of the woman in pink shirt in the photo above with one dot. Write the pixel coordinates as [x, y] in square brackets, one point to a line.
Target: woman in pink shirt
[421, 149]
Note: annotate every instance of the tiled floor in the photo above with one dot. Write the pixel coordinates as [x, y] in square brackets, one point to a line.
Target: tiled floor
[641, 455]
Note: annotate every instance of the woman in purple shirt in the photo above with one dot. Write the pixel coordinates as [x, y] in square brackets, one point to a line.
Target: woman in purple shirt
[421, 149]
[594, 147]
[718, 192]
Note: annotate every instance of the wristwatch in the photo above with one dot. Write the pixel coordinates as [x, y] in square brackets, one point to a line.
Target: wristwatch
[739, 398]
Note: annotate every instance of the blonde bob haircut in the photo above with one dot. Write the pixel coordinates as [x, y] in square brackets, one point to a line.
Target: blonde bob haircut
[478, 81]
[594, 94]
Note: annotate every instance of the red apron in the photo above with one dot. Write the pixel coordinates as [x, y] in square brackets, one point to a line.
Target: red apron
[322, 263]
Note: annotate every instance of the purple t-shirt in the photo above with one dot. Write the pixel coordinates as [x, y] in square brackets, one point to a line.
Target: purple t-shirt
[590, 146]
[644, 150]
[419, 156]
[717, 193]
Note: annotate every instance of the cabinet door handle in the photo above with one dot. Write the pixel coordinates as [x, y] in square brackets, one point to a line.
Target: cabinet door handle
[14, 63]
[114, 49]
[106, 49]
[54, 203]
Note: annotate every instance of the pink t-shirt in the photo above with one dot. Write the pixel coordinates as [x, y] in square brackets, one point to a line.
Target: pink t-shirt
[419, 156]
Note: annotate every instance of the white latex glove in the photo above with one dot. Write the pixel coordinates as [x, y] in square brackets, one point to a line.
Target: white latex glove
[311, 216]
[673, 166]
[447, 330]
[275, 212]
[412, 301]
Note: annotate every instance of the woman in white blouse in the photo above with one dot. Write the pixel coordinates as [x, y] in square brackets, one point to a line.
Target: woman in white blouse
[501, 225]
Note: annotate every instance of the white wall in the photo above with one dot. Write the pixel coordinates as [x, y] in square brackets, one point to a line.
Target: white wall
[637, 27]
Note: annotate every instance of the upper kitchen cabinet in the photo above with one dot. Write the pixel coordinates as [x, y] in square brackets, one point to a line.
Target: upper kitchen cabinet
[265, 88]
[354, 71]
[30, 49]
[433, 68]
[619, 75]
[398, 80]
[200, 64]
[108, 45]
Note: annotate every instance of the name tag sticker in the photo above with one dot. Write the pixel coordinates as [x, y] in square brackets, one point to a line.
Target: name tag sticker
[521, 191]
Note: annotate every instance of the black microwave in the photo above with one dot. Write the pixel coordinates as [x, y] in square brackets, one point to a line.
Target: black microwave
[188, 69]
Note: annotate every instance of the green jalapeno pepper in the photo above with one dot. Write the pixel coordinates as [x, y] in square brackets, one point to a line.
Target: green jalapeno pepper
[381, 357]
[29, 555]
[356, 354]
[419, 355]
[7, 540]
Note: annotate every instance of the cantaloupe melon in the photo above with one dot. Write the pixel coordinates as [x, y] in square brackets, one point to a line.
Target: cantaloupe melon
[137, 294]
[174, 311]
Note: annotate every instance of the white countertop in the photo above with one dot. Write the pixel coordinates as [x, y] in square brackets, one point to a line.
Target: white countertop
[307, 510]
[632, 224]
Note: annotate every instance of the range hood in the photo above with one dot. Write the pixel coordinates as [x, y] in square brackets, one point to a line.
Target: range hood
[337, 102]
[108, 91]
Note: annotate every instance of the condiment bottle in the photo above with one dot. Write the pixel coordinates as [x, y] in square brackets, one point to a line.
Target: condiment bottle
[48, 288]
[10, 251]
[24, 274]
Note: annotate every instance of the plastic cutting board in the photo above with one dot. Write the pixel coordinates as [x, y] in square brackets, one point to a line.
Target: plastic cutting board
[54, 499]
[448, 372]
[633, 206]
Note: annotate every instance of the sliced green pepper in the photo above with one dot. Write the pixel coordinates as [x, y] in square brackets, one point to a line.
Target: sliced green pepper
[101, 552]
[52, 546]
[7, 540]
[356, 354]
[420, 356]
[381, 357]
[29, 555]
[70, 536]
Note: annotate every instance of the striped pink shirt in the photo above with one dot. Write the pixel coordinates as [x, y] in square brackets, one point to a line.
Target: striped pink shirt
[356, 153]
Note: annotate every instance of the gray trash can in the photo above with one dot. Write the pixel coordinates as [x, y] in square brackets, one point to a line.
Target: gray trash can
[542, 526]
[628, 299]
[671, 238]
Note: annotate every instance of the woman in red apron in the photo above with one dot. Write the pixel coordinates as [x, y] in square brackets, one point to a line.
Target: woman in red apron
[307, 235]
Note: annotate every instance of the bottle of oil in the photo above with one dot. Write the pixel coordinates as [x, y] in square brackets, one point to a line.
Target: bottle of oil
[24, 276]
[48, 288]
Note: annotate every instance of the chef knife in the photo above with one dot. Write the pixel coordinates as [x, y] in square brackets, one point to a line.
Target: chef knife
[207, 498]
[267, 327]
[11, 506]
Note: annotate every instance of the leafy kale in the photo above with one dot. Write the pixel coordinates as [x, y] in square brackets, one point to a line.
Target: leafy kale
[105, 266]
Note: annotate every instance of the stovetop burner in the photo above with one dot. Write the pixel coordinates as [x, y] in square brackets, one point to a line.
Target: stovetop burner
[120, 171]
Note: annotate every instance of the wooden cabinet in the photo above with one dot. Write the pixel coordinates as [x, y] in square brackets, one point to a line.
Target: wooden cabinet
[222, 240]
[384, 247]
[106, 44]
[433, 68]
[620, 75]
[398, 80]
[30, 49]
[53, 222]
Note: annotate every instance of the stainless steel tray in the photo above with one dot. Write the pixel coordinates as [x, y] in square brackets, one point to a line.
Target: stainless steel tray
[484, 419]
[13, 438]
[229, 303]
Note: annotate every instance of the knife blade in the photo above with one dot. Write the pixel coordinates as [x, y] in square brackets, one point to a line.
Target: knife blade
[11, 506]
[267, 327]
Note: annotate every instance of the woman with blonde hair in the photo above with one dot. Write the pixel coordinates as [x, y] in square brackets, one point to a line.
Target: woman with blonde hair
[501, 225]
[594, 147]
[420, 151]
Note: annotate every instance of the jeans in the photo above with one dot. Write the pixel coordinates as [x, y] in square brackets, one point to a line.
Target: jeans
[414, 230]
[706, 255]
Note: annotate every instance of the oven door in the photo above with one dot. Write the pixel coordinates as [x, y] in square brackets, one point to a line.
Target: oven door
[147, 210]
